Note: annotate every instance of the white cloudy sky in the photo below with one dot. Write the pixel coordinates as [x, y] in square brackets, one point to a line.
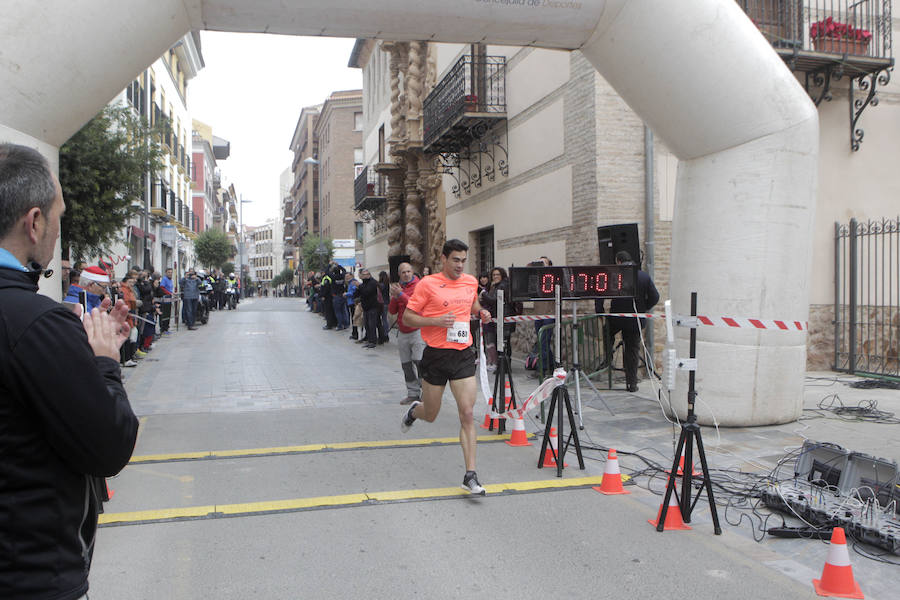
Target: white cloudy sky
[251, 93]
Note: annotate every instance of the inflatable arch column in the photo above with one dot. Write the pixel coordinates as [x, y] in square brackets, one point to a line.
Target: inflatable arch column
[698, 72]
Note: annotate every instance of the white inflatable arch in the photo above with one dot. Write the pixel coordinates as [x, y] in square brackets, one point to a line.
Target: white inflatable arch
[698, 72]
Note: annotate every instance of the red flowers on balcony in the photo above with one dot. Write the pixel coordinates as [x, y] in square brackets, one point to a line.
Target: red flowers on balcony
[829, 28]
[832, 36]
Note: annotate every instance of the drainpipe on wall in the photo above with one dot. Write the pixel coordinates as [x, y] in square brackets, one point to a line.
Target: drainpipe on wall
[649, 217]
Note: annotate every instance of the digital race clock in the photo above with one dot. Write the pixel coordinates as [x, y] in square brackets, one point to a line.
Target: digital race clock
[538, 283]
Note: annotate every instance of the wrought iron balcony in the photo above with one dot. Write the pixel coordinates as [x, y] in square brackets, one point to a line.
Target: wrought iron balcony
[369, 190]
[158, 197]
[466, 103]
[828, 40]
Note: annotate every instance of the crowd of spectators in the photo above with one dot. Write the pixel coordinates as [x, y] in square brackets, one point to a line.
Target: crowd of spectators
[360, 303]
[149, 296]
[347, 302]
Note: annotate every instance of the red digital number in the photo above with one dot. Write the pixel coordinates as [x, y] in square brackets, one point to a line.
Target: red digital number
[547, 283]
[601, 282]
[619, 281]
[586, 284]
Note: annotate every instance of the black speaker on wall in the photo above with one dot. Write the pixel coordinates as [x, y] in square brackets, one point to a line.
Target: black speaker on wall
[613, 238]
[394, 263]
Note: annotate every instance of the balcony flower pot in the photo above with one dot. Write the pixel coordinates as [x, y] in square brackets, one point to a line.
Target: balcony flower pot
[370, 189]
[470, 103]
[832, 36]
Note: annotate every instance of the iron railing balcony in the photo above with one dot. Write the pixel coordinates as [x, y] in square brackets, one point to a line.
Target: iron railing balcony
[811, 35]
[465, 103]
[369, 190]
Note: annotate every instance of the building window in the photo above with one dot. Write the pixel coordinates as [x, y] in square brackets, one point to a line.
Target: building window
[359, 231]
[357, 121]
[484, 245]
[357, 156]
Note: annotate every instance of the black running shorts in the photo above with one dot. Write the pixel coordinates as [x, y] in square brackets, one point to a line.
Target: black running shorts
[439, 365]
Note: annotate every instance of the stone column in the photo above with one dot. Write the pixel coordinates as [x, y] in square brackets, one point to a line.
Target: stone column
[415, 92]
[395, 212]
[414, 223]
[396, 116]
[429, 184]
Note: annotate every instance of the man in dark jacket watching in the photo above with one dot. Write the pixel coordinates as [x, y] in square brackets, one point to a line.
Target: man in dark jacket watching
[66, 418]
[645, 298]
[367, 294]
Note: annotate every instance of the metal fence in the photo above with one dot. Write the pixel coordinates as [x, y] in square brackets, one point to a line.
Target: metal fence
[475, 84]
[867, 297]
[857, 27]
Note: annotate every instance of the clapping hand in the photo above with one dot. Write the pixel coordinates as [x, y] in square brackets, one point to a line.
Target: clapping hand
[107, 331]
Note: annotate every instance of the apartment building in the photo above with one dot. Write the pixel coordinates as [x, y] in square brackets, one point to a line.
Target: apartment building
[304, 204]
[207, 150]
[338, 130]
[265, 252]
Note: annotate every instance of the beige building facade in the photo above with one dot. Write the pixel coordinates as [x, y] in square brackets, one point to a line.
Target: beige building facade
[339, 134]
[576, 157]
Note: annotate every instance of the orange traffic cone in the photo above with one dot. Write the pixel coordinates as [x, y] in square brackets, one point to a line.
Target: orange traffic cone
[109, 492]
[518, 436]
[694, 471]
[673, 516]
[487, 417]
[612, 477]
[837, 576]
[552, 449]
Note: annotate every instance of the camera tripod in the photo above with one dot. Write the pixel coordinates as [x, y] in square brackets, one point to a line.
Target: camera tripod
[690, 432]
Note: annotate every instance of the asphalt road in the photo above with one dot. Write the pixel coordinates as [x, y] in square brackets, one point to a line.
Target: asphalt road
[270, 464]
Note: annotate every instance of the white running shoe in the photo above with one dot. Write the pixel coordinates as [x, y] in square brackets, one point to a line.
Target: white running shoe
[408, 419]
[471, 485]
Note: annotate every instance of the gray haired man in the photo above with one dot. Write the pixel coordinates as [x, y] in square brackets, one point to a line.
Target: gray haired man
[409, 339]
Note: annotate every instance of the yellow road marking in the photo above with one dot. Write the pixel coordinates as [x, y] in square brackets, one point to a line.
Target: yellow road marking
[146, 458]
[249, 508]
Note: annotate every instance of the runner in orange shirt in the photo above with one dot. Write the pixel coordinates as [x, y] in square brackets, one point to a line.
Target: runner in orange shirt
[442, 306]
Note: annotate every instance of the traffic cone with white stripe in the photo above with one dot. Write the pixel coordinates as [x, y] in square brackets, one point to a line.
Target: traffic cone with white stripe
[487, 417]
[673, 516]
[837, 576]
[552, 450]
[518, 436]
[612, 477]
[694, 471]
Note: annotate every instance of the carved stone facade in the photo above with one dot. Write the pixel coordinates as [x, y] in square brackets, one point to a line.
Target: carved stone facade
[415, 218]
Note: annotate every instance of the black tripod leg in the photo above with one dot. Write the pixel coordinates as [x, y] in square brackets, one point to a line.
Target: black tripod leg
[670, 486]
[574, 432]
[687, 475]
[708, 485]
[547, 430]
[512, 387]
[563, 394]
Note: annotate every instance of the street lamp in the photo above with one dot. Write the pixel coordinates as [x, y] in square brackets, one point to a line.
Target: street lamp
[241, 245]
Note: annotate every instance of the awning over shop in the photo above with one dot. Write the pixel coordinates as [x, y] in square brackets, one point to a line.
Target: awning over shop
[137, 231]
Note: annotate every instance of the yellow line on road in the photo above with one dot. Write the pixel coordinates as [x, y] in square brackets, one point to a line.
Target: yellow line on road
[360, 499]
[207, 454]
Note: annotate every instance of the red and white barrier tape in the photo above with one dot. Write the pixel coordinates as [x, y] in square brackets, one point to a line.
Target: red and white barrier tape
[734, 322]
[543, 391]
[741, 322]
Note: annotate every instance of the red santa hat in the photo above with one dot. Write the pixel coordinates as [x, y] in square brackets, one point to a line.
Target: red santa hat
[95, 274]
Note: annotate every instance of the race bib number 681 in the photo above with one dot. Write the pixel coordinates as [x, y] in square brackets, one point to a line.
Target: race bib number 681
[458, 333]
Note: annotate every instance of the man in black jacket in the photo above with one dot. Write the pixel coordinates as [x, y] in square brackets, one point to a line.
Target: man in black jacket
[645, 298]
[367, 293]
[66, 418]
